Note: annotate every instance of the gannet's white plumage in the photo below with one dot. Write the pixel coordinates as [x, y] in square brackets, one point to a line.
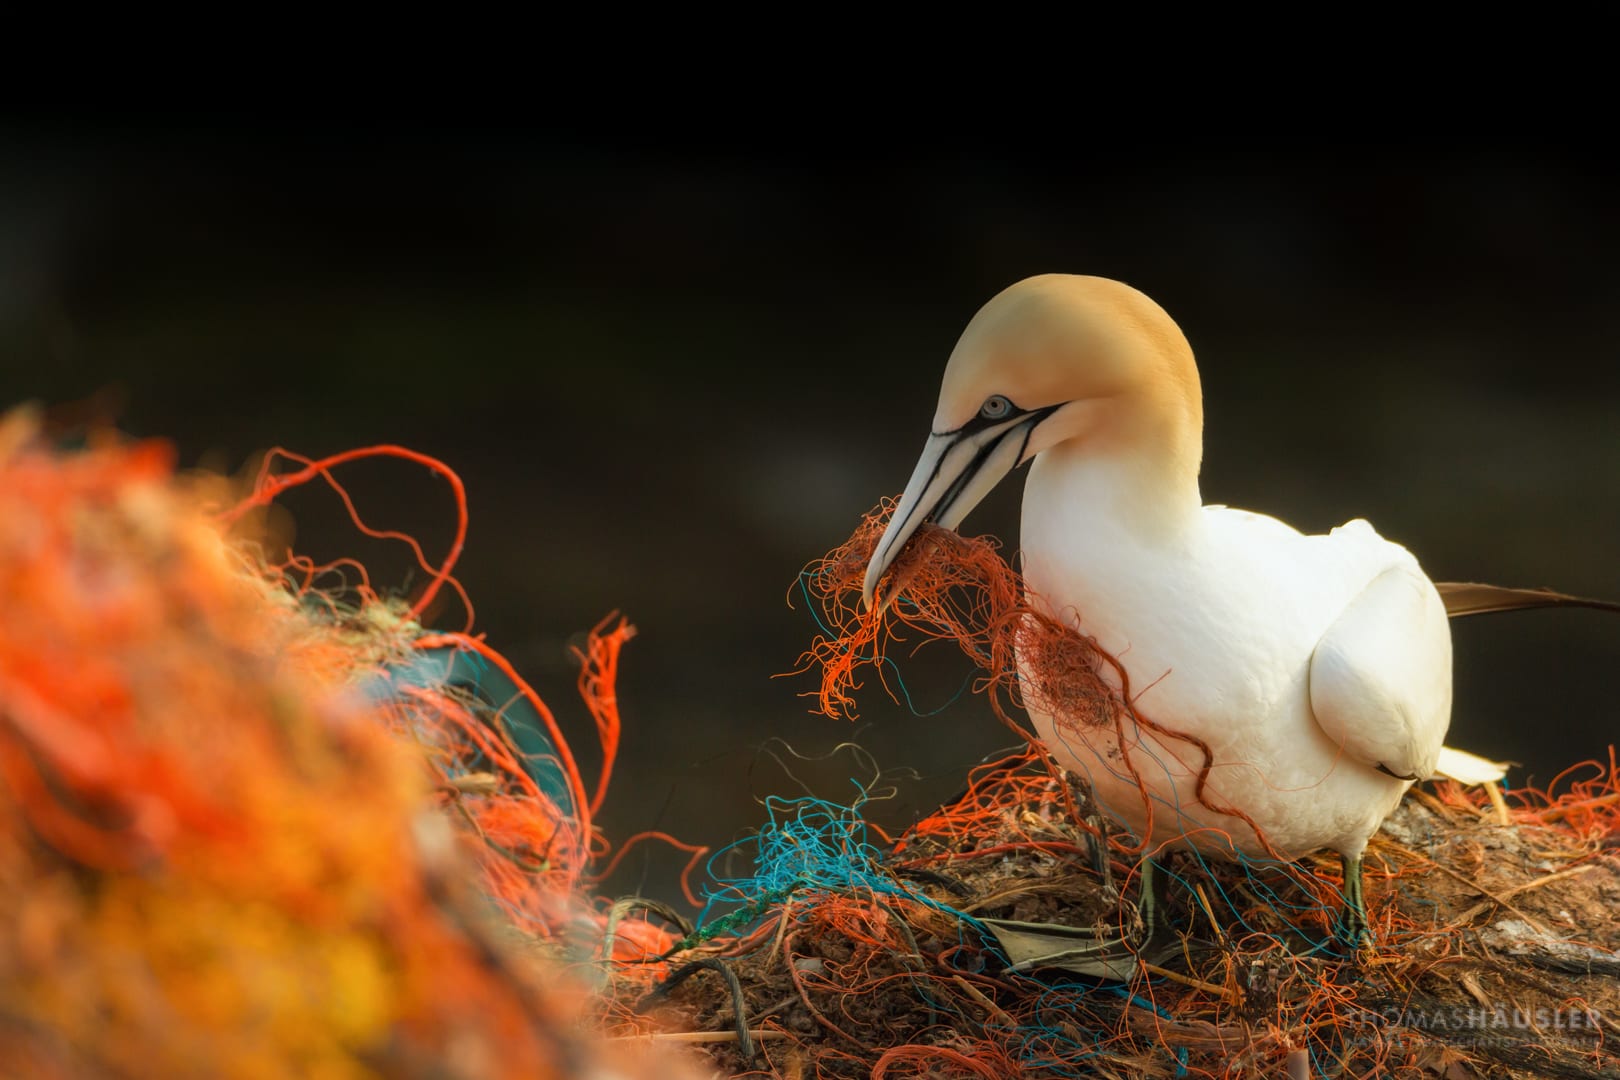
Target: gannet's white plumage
[1317, 669]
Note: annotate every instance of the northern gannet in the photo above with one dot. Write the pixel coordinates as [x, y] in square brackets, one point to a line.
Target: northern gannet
[1317, 669]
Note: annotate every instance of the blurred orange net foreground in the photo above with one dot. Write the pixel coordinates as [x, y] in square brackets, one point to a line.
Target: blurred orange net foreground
[535, 842]
[220, 850]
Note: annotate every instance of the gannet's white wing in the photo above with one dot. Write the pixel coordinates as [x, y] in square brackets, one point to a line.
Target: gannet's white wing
[1381, 675]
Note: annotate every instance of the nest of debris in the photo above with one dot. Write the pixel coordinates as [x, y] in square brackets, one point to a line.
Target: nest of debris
[1496, 952]
[1001, 937]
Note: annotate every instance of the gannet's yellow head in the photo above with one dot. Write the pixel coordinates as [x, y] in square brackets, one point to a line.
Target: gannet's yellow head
[1053, 360]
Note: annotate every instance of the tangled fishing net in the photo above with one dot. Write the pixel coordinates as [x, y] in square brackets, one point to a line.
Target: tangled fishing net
[255, 820]
[965, 947]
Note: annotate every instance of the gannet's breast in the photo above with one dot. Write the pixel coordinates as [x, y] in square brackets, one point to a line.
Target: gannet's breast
[1216, 623]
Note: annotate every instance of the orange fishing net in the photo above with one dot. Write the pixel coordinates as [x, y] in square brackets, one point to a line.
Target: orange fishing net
[219, 853]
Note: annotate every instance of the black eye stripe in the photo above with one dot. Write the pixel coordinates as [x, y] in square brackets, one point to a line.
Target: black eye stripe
[980, 422]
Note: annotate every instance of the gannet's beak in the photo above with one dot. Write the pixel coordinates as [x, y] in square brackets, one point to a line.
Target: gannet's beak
[957, 469]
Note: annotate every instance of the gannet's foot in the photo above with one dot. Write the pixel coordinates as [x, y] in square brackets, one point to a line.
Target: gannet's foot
[1100, 954]
[1080, 950]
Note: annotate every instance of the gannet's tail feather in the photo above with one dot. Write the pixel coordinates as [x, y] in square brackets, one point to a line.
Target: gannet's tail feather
[1472, 598]
[1466, 768]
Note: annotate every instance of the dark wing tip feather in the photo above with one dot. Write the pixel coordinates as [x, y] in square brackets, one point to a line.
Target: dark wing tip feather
[1473, 598]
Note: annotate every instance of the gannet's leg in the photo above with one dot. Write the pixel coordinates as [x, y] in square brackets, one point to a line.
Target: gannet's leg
[1352, 928]
[1097, 846]
[1155, 898]
[1147, 907]
[1155, 884]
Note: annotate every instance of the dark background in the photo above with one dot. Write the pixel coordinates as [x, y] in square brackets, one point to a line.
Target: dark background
[670, 379]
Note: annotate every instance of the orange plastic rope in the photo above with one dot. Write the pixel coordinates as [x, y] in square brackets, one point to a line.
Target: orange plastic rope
[269, 486]
[566, 756]
[598, 677]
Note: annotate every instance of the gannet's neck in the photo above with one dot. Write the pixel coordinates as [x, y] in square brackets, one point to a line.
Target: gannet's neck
[1134, 455]
[1150, 498]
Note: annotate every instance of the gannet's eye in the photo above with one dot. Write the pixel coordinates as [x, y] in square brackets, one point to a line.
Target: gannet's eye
[995, 407]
